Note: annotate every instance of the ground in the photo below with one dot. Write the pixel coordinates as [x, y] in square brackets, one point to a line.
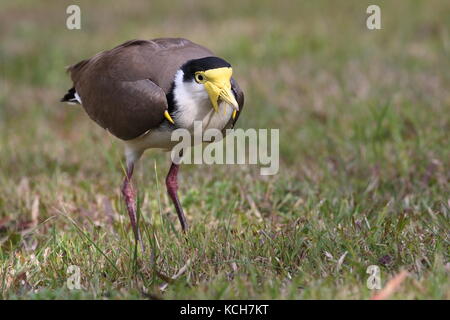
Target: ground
[364, 149]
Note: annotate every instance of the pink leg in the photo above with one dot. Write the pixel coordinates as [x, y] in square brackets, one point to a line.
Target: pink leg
[172, 187]
[129, 196]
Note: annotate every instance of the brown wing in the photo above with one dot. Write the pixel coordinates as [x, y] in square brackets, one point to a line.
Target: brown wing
[124, 89]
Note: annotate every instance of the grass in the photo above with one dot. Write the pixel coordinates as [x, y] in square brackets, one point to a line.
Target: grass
[364, 147]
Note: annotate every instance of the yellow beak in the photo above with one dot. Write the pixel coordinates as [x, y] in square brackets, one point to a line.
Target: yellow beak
[218, 86]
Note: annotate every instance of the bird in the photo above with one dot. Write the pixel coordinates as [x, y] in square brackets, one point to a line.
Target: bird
[143, 90]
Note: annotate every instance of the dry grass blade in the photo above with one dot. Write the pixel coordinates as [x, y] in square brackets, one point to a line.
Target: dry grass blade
[254, 208]
[35, 212]
[176, 276]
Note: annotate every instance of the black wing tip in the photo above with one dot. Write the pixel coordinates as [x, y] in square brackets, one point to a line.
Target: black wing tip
[70, 96]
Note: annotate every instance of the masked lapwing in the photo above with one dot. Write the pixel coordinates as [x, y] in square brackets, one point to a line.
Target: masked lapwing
[141, 91]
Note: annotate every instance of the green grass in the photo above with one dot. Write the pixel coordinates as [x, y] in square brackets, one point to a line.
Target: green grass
[364, 175]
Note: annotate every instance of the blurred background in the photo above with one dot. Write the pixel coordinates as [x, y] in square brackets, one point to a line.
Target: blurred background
[363, 114]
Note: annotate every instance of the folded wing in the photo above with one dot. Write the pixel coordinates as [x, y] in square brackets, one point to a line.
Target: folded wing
[124, 89]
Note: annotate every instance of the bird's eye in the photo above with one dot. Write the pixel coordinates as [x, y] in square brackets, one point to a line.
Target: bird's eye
[199, 78]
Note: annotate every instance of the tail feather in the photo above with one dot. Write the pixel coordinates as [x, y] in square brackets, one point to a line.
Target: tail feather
[71, 97]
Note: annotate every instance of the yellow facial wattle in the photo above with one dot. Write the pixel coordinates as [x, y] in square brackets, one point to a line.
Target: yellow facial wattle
[217, 83]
